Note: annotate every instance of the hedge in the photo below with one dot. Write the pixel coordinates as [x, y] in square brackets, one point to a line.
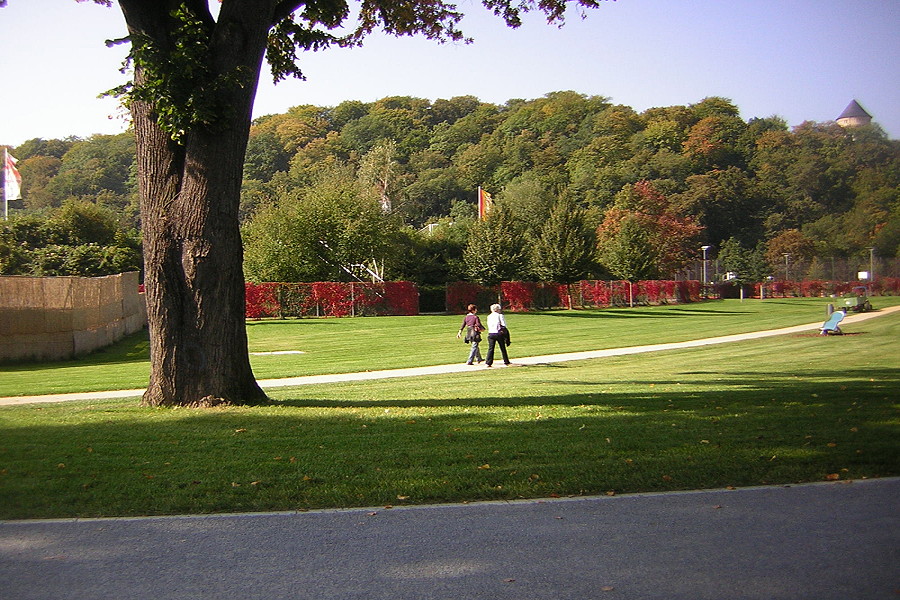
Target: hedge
[331, 299]
[520, 296]
[812, 288]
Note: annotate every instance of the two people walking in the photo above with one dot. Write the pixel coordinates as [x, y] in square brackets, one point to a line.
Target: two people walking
[498, 334]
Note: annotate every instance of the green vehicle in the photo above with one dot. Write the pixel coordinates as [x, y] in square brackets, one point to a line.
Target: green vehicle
[857, 300]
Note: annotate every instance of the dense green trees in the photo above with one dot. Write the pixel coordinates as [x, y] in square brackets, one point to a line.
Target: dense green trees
[732, 180]
[99, 169]
[332, 231]
[755, 184]
[79, 238]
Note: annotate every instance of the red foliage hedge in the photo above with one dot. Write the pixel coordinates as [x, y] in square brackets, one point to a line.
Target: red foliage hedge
[331, 299]
[520, 296]
[814, 288]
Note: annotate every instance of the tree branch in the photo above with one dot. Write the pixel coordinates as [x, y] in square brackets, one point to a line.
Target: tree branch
[284, 9]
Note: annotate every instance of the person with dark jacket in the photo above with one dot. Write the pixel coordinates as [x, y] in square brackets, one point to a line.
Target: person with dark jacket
[498, 334]
[473, 328]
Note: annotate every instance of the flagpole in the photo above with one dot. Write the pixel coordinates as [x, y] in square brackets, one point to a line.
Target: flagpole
[3, 185]
[478, 202]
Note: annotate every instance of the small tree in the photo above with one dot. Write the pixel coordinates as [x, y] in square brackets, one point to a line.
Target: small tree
[495, 251]
[565, 250]
[743, 264]
[629, 254]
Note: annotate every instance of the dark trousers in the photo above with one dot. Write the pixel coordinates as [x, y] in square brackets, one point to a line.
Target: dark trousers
[499, 340]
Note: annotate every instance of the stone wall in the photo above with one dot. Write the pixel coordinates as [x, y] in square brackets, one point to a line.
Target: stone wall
[51, 318]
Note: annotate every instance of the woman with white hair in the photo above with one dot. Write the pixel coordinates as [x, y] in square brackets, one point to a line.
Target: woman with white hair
[497, 335]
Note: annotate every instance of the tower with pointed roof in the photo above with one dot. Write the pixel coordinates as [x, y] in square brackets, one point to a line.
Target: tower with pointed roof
[854, 116]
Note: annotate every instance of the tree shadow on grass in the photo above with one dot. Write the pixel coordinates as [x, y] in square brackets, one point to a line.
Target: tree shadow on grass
[114, 459]
[130, 349]
[294, 322]
[857, 383]
[676, 312]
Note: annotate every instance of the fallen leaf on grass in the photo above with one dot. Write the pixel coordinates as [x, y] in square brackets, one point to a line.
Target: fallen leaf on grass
[833, 476]
[485, 466]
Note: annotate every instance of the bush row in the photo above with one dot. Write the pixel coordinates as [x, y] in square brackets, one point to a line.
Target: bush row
[520, 296]
[815, 288]
[331, 299]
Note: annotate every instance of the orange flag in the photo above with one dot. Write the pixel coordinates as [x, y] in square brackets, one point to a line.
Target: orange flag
[484, 204]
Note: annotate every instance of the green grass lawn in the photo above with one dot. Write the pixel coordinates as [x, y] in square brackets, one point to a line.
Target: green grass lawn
[771, 411]
[361, 344]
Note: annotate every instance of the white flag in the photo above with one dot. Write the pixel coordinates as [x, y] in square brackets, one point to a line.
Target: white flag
[12, 181]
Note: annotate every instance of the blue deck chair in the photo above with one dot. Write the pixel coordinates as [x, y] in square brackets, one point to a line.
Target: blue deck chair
[831, 325]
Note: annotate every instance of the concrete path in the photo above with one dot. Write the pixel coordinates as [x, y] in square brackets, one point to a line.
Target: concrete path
[829, 541]
[460, 367]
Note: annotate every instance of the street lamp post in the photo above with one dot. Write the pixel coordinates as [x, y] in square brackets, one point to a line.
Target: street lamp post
[787, 272]
[872, 265]
[704, 248]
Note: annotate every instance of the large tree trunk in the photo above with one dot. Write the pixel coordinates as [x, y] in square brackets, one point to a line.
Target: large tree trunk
[190, 194]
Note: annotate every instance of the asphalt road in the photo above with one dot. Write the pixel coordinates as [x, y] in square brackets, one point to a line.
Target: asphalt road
[826, 541]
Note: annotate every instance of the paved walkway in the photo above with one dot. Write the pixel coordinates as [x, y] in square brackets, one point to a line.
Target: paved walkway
[828, 541]
[459, 367]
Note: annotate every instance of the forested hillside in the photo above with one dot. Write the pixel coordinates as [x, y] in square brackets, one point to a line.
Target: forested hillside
[581, 188]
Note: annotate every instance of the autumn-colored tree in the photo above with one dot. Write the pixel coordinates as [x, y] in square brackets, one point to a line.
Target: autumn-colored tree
[791, 242]
[674, 238]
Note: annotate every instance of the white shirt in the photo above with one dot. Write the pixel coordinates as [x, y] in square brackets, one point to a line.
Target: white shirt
[495, 320]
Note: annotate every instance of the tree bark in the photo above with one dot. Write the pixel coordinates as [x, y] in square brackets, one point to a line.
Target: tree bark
[190, 194]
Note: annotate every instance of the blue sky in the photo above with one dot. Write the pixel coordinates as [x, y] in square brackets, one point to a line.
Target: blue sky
[797, 59]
